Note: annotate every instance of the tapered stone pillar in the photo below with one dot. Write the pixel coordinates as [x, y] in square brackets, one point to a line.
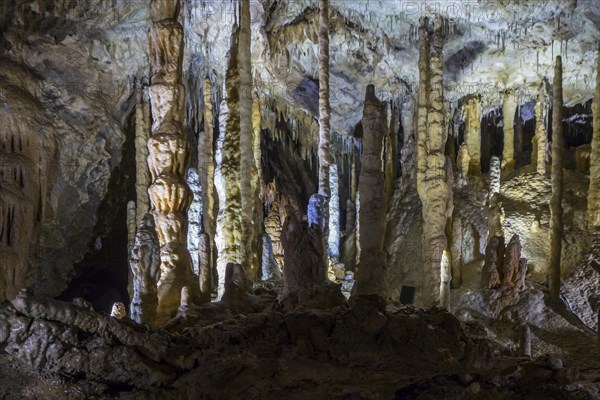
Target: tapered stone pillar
[472, 116]
[556, 211]
[168, 157]
[509, 107]
[370, 275]
[432, 184]
[539, 140]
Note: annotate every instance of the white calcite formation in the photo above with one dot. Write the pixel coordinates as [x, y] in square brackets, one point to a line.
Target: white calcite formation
[540, 141]
[472, 117]
[170, 195]
[370, 274]
[509, 107]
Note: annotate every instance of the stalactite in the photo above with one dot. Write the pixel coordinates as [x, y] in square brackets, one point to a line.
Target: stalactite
[371, 267]
[145, 266]
[249, 253]
[169, 195]
[556, 211]
[594, 190]
[432, 185]
[142, 174]
[509, 106]
[324, 154]
[472, 116]
[206, 169]
[538, 155]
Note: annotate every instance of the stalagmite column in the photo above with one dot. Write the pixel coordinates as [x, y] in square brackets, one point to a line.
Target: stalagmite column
[370, 276]
[556, 211]
[169, 194]
[456, 252]
[464, 161]
[525, 341]
[258, 215]
[324, 154]
[495, 174]
[142, 175]
[230, 163]
[333, 238]
[509, 107]
[145, 270]
[206, 170]
[391, 156]
[538, 155]
[472, 116]
[594, 191]
[247, 164]
[431, 162]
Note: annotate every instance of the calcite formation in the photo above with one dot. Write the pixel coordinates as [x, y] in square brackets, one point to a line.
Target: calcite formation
[303, 254]
[509, 107]
[370, 274]
[142, 133]
[472, 117]
[594, 189]
[145, 266]
[503, 274]
[456, 253]
[556, 210]
[431, 162]
[169, 194]
[495, 175]
[539, 141]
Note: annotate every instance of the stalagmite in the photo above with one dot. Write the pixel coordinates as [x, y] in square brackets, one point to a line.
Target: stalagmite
[456, 252]
[131, 225]
[333, 239]
[472, 116]
[118, 310]
[142, 174]
[246, 132]
[556, 211]
[256, 178]
[370, 276]
[432, 185]
[525, 341]
[509, 107]
[594, 190]
[391, 154]
[538, 155]
[273, 228]
[206, 170]
[230, 163]
[169, 194]
[324, 154]
[495, 173]
[145, 270]
[464, 160]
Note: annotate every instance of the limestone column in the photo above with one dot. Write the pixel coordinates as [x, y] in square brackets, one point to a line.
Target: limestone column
[431, 162]
[169, 194]
[538, 155]
[142, 174]
[206, 169]
[247, 163]
[472, 116]
[230, 162]
[495, 174]
[370, 275]
[509, 107]
[594, 190]
[324, 154]
[456, 252]
[556, 211]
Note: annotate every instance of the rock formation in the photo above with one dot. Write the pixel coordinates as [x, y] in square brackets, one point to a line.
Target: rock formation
[246, 152]
[169, 194]
[456, 253]
[503, 274]
[495, 175]
[594, 189]
[145, 266]
[539, 140]
[206, 169]
[509, 107]
[431, 162]
[370, 274]
[142, 174]
[556, 210]
[324, 152]
[472, 117]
